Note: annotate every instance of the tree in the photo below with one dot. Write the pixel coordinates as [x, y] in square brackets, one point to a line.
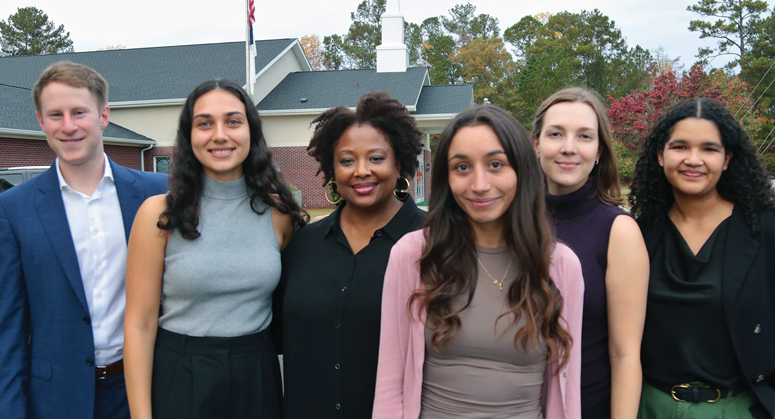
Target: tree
[735, 27]
[466, 25]
[757, 67]
[437, 48]
[116, 47]
[311, 46]
[29, 32]
[358, 48]
[486, 64]
[598, 52]
[540, 76]
[633, 115]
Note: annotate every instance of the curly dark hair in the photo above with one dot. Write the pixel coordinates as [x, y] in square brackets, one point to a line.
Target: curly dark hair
[745, 182]
[448, 262]
[186, 174]
[378, 110]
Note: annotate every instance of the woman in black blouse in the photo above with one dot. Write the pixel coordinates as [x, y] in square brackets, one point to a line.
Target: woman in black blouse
[705, 207]
[333, 269]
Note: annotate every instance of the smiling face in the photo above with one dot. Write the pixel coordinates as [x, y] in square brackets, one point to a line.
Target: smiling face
[220, 134]
[568, 146]
[73, 123]
[694, 158]
[481, 179]
[365, 168]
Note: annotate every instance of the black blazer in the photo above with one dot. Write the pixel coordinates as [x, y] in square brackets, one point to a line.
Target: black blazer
[748, 286]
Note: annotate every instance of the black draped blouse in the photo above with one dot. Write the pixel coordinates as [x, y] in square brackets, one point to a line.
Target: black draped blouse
[685, 337]
[331, 316]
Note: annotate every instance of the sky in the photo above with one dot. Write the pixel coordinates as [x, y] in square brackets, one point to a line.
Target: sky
[95, 24]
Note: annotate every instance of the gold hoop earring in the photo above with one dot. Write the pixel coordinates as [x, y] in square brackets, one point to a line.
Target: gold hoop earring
[335, 197]
[402, 194]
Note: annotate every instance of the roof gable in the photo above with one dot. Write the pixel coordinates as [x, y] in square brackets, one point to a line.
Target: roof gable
[444, 99]
[17, 114]
[155, 73]
[315, 90]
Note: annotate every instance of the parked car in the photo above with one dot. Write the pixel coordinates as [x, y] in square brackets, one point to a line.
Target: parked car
[12, 176]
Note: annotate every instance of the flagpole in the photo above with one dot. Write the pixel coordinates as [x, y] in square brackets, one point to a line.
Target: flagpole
[247, 48]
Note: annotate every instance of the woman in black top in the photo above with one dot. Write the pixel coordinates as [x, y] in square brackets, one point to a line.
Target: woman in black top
[333, 269]
[705, 207]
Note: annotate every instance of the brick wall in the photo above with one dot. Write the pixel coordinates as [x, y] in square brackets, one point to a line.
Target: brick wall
[298, 168]
[154, 152]
[16, 152]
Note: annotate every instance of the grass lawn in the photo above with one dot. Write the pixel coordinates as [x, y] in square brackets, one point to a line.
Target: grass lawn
[315, 212]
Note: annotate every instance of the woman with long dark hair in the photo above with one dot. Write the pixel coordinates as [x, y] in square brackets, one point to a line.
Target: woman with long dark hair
[481, 311]
[331, 284]
[703, 201]
[572, 138]
[206, 256]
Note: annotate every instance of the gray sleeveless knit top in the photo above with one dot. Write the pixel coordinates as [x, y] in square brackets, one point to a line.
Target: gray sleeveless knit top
[221, 283]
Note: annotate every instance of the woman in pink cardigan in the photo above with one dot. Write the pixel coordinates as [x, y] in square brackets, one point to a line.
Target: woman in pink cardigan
[481, 311]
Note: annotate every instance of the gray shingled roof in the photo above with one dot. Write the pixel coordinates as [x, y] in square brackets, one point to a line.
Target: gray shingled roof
[151, 73]
[18, 112]
[326, 89]
[444, 99]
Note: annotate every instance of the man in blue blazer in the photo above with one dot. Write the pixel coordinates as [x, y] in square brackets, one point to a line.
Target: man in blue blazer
[63, 242]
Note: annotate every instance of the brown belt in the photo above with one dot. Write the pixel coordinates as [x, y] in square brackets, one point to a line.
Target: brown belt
[102, 372]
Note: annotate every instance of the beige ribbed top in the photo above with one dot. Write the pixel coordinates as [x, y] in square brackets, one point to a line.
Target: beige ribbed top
[481, 374]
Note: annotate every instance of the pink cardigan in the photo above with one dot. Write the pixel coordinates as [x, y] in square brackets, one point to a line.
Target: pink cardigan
[402, 340]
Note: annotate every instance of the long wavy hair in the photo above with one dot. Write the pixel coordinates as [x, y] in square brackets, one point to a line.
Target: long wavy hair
[448, 266]
[605, 174]
[186, 173]
[745, 182]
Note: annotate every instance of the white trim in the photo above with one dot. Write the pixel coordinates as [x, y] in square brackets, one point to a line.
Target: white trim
[25, 134]
[426, 75]
[310, 111]
[144, 103]
[127, 141]
[289, 112]
[155, 159]
[281, 55]
[434, 116]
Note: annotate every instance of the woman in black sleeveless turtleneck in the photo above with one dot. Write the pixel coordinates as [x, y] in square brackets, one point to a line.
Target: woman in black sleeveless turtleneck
[572, 137]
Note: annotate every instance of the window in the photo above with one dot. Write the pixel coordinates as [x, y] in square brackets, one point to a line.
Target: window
[161, 164]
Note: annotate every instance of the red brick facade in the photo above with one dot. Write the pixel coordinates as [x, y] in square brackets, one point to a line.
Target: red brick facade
[296, 166]
[154, 152]
[15, 152]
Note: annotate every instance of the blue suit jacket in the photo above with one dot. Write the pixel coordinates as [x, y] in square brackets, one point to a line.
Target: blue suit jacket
[46, 342]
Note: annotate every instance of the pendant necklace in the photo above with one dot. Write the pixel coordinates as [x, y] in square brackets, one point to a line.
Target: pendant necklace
[495, 281]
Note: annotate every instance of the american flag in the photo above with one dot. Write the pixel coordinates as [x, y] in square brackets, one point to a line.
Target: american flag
[251, 17]
[251, 53]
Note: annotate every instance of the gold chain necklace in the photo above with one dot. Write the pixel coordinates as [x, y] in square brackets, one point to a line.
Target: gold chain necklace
[495, 281]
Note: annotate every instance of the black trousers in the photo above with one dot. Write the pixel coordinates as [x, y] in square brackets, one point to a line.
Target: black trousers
[602, 410]
[212, 377]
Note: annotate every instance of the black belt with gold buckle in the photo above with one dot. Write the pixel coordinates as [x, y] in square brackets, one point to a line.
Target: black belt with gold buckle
[694, 394]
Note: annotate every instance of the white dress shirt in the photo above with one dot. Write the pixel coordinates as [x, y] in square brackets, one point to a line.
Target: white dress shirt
[97, 229]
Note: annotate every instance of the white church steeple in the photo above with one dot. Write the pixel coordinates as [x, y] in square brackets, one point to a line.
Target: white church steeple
[392, 55]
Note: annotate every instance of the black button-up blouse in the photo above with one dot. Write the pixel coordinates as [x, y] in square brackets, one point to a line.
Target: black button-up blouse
[331, 316]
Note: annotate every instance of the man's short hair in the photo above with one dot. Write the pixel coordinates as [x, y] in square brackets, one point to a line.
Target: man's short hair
[75, 75]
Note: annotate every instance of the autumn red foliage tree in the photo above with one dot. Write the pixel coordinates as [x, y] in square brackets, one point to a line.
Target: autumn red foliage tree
[633, 115]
